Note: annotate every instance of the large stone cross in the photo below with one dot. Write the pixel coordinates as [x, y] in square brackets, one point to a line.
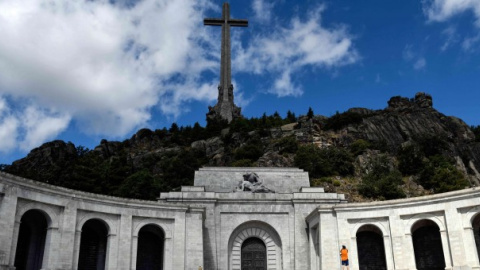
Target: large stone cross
[225, 106]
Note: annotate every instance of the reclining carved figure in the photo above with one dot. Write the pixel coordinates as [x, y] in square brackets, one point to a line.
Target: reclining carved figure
[251, 182]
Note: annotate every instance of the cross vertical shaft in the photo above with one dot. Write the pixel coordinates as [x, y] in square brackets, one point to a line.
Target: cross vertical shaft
[225, 107]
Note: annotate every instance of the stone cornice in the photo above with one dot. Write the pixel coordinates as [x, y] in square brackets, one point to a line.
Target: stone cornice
[70, 194]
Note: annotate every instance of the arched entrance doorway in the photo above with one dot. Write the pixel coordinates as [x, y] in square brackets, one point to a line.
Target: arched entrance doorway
[371, 249]
[93, 245]
[254, 254]
[31, 241]
[257, 230]
[150, 248]
[476, 232]
[427, 244]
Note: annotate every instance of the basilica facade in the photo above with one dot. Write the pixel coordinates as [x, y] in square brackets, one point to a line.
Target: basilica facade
[234, 219]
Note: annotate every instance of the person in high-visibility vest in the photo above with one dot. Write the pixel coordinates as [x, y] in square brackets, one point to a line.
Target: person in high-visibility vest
[344, 257]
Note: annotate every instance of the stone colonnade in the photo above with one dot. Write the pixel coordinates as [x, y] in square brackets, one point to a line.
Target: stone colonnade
[67, 211]
[301, 230]
[451, 214]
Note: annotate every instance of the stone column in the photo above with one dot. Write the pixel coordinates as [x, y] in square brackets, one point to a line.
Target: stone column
[8, 236]
[446, 249]
[124, 242]
[168, 253]
[76, 248]
[301, 211]
[134, 252]
[470, 248]
[180, 241]
[455, 236]
[353, 254]
[412, 263]
[399, 242]
[329, 244]
[66, 235]
[194, 236]
[388, 252]
[13, 250]
[112, 248]
[313, 242]
[50, 254]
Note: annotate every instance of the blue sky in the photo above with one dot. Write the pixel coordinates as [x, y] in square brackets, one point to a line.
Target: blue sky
[82, 71]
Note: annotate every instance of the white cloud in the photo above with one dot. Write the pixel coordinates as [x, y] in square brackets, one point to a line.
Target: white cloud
[442, 10]
[28, 127]
[8, 134]
[101, 63]
[407, 53]
[108, 65]
[304, 43]
[262, 10]
[8, 128]
[410, 56]
[40, 125]
[283, 86]
[451, 37]
[468, 44]
[420, 64]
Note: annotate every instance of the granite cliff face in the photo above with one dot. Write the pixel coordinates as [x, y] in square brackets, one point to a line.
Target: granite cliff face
[404, 120]
[171, 156]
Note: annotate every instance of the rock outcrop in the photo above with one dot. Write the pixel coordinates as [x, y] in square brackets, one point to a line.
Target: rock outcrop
[404, 121]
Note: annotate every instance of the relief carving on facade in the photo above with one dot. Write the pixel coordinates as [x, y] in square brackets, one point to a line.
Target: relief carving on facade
[252, 183]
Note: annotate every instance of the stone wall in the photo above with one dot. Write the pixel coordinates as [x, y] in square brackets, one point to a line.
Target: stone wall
[452, 213]
[67, 210]
[301, 230]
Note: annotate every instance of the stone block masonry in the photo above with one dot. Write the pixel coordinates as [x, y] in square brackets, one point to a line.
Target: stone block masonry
[208, 225]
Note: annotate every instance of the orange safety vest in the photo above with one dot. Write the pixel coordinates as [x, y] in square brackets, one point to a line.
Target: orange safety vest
[344, 254]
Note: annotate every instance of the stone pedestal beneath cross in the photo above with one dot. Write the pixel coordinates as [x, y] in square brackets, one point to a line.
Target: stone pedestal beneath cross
[225, 107]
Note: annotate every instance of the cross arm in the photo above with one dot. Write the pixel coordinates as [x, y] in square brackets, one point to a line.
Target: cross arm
[236, 22]
[212, 21]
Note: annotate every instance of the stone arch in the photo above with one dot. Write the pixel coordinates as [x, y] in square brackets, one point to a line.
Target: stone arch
[93, 247]
[370, 247]
[475, 223]
[32, 242]
[150, 247]
[259, 230]
[51, 214]
[363, 223]
[166, 230]
[471, 215]
[48, 211]
[108, 221]
[165, 226]
[420, 217]
[427, 245]
[98, 216]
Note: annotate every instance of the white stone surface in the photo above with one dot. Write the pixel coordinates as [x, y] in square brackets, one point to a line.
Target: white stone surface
[222, 179]
[204, 225]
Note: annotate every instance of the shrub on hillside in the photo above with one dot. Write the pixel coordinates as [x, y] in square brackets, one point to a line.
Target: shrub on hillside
[410, 159]
[287, 145]
[324, 162]
[140, 185]
[440, 175]
[340, 120]
[359, 146]
[253, 150]
[382, 182]
[476, 131]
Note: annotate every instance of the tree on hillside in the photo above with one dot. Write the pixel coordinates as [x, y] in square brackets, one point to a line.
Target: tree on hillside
[476, 131]
[382, 181]
[310, 113]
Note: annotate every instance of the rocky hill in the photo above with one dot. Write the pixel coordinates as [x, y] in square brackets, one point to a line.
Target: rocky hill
[406, 149]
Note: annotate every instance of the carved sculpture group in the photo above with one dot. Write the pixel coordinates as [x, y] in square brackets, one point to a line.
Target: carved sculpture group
[252, 183]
